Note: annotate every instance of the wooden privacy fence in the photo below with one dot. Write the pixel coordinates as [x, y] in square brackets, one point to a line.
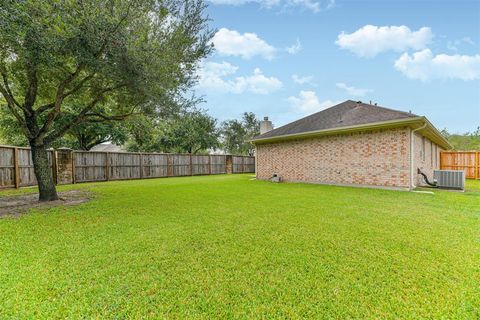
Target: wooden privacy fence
[461, 160]
[16, 167]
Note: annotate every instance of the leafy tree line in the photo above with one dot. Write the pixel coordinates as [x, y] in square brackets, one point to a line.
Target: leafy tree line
[184, 131]
[78, 73]
[466, 141]
[68, 64]
[195, 132]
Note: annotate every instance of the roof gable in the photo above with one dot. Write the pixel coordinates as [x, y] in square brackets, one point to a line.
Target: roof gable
[346, 114]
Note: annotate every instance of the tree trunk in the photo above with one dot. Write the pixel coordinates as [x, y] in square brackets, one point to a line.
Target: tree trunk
[43, 172]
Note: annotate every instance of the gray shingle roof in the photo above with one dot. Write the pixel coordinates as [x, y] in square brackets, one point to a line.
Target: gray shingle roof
[345, 114]
[107, 147]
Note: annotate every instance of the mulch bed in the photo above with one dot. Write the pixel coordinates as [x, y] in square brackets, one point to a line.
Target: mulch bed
[15, 206]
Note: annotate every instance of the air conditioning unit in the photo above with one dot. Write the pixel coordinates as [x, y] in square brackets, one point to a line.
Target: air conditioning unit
[450, 179]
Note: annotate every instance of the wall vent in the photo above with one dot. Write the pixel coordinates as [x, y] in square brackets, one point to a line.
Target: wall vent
[451, 179]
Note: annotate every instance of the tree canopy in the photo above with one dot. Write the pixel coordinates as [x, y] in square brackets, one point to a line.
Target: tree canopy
[188, 132]
[67, 63]
[80, 137]
[466, 141]
[237, 133]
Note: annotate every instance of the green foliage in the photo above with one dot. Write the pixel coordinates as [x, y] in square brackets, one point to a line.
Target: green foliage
[229, 247]
[65, 64]
[467, 141]
[87, 135]
[189, 132]
[81, 137]
[69, 62]
[11, 133]
[237, 133]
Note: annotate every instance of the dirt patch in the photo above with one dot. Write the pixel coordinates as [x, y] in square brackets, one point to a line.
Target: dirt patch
[14, 206]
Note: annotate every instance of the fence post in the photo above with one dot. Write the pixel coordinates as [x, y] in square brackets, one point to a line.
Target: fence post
[477, 165]
[54, 167]
[72, 153]
[16, 168]
[107, 166]
[141, 165]
[229, 164]
[209, 164]
[191, 165]
[169, 165]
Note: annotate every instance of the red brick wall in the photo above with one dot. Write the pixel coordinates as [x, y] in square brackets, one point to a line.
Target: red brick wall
[426, 156]
[377, 158]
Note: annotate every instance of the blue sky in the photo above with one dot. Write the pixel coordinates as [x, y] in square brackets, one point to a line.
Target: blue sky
[289, 58]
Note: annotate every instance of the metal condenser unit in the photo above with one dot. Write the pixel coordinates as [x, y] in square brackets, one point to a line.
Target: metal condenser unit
[451, 179]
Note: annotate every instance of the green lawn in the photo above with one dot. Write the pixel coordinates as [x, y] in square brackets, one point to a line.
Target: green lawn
[231, 247]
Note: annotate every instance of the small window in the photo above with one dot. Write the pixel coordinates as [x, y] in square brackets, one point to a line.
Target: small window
[436, 156]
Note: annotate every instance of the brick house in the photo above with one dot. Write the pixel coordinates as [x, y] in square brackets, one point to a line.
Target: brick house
[352, 143]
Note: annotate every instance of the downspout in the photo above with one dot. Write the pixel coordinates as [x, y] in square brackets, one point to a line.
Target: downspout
[256, 163]
[412, 150]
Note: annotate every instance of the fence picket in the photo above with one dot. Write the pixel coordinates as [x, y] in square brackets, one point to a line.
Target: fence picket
[461, 160]
[16, 166]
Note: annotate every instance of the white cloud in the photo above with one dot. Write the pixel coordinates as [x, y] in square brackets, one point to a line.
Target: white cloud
[232, 43]
[295, 48]
[212, 77]
[352, 91]
[302, 80]
[331, 4]
[468, 40]
[312, 5]
[368, 41]
[307, 102]
[257, 83]
[423, 65]
[453, 45]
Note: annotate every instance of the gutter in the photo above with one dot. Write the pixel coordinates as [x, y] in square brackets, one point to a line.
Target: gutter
[412, 150]
[367, 126]
[438, 134]
[435, 135]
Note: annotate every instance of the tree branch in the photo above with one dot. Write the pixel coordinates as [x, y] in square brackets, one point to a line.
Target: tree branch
[89, 146]
[104, 118]
[14, 111]
[60, 95]
[44, 108]
[31, 94]
[7, 89]
[7, 96]
[79, 86]
[80, 117]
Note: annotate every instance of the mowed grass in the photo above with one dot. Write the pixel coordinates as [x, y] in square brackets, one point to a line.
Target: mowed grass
[231, 247]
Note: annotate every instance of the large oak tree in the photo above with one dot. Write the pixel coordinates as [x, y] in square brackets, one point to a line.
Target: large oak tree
[64, 63]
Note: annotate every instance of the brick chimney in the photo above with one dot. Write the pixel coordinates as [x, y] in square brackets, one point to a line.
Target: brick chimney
[265, 125]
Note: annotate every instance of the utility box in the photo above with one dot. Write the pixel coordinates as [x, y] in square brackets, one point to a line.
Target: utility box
[276, 178]
[450, 179]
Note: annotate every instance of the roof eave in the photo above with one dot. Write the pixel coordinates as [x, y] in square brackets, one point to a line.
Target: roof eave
[436, 135]
[368, 126]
